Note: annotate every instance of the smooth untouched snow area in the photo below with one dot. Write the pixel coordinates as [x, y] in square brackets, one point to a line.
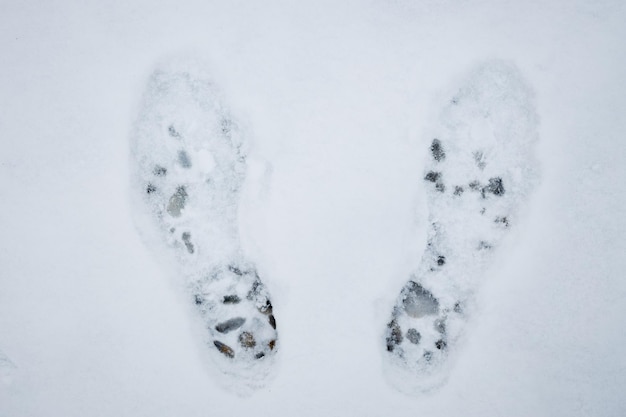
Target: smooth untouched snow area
[337, 97]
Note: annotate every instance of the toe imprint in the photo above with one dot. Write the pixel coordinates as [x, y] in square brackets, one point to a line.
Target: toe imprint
[173, 132]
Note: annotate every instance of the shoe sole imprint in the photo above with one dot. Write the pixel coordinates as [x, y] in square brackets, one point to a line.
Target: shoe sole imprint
[189, 166]
[480, 170]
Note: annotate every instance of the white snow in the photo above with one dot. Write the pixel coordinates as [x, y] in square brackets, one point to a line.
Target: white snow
[338, 97]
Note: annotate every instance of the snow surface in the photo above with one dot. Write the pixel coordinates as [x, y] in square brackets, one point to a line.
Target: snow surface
[338, 97]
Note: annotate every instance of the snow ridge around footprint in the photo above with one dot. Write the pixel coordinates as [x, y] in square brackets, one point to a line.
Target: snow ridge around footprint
[189, 163]
[480, 170]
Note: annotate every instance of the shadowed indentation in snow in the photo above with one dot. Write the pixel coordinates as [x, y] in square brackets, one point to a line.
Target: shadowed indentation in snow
[419, 302]
[437, 150]
[225, 349]
[414, 336]
[230, 325]
[183, 159]
[177, 202]
[186, 236]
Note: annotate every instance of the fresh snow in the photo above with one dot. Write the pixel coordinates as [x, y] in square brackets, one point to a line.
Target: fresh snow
[339, 100]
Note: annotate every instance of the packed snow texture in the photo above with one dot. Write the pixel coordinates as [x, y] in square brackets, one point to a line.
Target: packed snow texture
[339, 100]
